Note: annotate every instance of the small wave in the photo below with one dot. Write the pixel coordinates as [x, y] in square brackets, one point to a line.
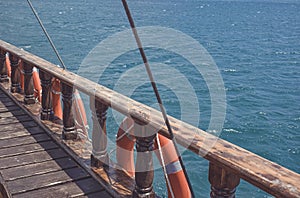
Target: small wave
[229, 70]
[262, 113]
[168, 61]
[232, 131]
[287, 52]
[281, 52]
[293, 150]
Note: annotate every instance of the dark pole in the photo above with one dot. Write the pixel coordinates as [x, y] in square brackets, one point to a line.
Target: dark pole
[150, 75]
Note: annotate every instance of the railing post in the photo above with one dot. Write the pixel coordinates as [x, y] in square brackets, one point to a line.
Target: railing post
[223, 182]
[99, 155]
[15, 74]
[47, 110]
[3, 70]
[144, 173]
[28, 84]
[69, 131]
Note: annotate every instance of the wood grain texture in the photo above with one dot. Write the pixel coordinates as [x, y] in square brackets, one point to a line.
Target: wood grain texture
[25, 149]
[45, 180]
[17, 126]
[16, 141]
[38, 168]
[79, 188]
[30, 158]
[32, 163]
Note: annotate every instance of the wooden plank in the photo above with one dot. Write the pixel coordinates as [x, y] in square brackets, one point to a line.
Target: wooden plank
[2, 94]
[17, 126]
[70, 189]
[31, 158]
[30, 123]
[4, 143]
[29, 148]
[13, 119]
[5, 99]
[14, 113]
[11, 132]
[45, 180]
[38, 168]
[102, 194]
[12, 107]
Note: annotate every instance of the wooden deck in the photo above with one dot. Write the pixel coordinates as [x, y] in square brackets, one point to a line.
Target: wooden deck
[33, 164]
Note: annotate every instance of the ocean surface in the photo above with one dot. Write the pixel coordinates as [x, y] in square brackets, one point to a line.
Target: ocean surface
[255, 45]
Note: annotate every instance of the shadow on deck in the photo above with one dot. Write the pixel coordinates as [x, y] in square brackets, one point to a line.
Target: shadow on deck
[33, 164]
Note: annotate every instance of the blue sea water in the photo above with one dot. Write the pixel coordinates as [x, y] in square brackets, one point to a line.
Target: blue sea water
[255, 44]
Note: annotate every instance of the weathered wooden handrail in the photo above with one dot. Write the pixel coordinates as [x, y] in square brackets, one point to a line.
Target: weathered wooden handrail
[228, 162]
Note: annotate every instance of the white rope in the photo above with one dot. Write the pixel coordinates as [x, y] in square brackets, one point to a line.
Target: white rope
[164, 166]
[125, 133]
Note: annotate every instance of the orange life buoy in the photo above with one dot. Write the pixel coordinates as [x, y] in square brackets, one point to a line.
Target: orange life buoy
[125, 158]
[37, 84]
[7, 64]
[125, 146]
[178, 182]
[56, 99]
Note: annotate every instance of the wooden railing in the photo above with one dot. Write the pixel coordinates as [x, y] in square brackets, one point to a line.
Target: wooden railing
[228, 163]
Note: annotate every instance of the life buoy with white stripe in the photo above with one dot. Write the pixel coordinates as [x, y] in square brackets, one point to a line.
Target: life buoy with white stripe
[125, 158]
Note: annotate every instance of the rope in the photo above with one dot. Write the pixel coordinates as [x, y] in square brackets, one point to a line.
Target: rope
[151, 78]
[127, 132]
[164, 166]
[46, 33]
[59, 58]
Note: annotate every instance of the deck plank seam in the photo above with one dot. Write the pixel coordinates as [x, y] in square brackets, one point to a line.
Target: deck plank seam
[32, 162]
[45, 187]
[26, 152]
[45, 173]
[10, 138]
[31, 143]
[62, 145]
[66, 183]
[41, 173]
[29, 132]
